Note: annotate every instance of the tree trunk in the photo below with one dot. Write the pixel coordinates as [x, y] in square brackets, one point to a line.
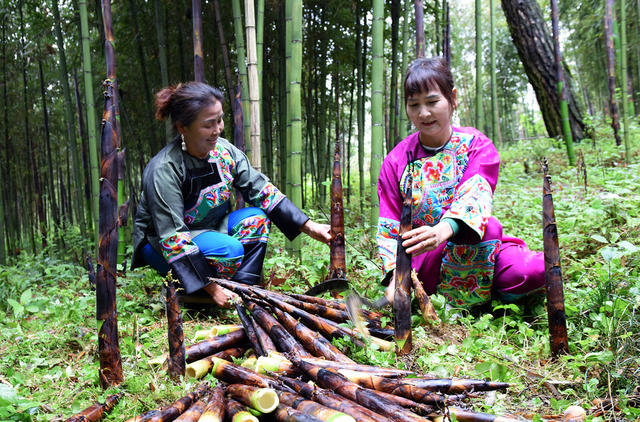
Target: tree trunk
[162, 56]
[402, 118]
[535, 49]
[110, 373]
[282, 90]
[68, 111]
[611, 67]
[54, 205]
[94, 173]
[4, 220]
[479, 122]
[377, 111]
[254, 94]
[393, 106]
[496, 134]
[198, 62]
[360, 61]
[624, 91]
[83, 143]
[242, 70]
[562, 92]
[419, 11]
[225, 58]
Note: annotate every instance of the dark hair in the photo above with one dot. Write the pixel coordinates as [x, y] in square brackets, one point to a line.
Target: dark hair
[183, 102]
[424, 75]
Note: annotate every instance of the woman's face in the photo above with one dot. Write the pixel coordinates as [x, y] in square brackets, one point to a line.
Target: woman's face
[201, 135]
[430, 112]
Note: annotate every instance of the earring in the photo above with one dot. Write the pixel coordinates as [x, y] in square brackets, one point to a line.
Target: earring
[184, 144]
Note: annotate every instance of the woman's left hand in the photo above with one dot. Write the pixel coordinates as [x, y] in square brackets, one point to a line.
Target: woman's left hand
[317, 231]
[426, 238]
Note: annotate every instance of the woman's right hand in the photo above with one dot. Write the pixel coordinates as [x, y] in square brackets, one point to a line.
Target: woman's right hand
[221, 296]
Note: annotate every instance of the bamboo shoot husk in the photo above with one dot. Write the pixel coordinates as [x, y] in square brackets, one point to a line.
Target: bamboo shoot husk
[249, 329]
[216, 330]
[264, 339]
[96, 411]
[332, 400]
[419, 408]
[454, 385]
[402, 274]
[312, 408]
[284, 341]
[289, 414]
[193, 413]
[237, 412]
[265, 400]
[377, 370]
[215, 410]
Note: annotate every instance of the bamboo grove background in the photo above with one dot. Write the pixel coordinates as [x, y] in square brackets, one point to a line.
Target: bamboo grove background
[326, 70]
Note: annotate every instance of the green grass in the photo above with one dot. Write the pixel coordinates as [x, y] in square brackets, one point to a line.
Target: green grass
[48, 343]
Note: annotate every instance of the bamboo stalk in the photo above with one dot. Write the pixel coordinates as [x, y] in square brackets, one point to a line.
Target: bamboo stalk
[265, 400]
[237, 412]
[198, 62]
[281, 337]
[249, 329]
[559, 342]
[215, 410]
[337, 262]
[96, 411]
[426, 307]
[332, 400]
[174, 333]
[254, 94]
[402, 274]
[329, 379]
[311, 340]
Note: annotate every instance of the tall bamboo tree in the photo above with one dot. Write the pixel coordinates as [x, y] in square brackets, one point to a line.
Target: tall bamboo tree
[162, 56]
[393, 106]
[419, 11]
[360, 62]
[47, 137]
[225, 57]
[87, 73]
[68, 113]
[242, 71]
[110, 373]
[198, 62]
[495, 121]
[296, 109]
[608, 34]
[5, 119]
[377, 97]
[479, 115]
[402, 118]
[623, 82]
[254, 94]
[564, 108]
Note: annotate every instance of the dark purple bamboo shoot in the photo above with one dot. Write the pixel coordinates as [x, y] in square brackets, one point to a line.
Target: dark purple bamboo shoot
[337, 261]
[333, 400]
[553, 273]
[175, 334]
[193, 413]
[289, 414]
[367, 398]
[375, 370]
[249, 329]
[237, 412]
[284, 341]
[370, 315]
[215, 410]
[454, 385]
[110, 373]
[310, 407]
[97, 411]
[213, 345]
[264, 339]
[264, 400]
[198, 62]
[402, 274]
[464, 415]
[426, 307]
[419, 408]
[174, 410]
[311, 340]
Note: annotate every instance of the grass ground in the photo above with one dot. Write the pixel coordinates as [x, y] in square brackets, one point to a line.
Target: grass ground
[48, 347]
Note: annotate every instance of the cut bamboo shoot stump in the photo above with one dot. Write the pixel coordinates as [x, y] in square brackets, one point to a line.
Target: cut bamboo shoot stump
[264, 400]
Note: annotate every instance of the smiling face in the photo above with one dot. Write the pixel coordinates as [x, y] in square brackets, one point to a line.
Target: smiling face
[430, 112]
[201, 135]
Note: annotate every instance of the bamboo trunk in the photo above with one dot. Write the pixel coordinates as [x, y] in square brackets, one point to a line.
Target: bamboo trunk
[174, 333]
[225, 57]
[341, 385]
[402, 274]
[237, 412]
[611, 69]
[110, 373]
[97, 411]
[377, 106]
[337, 262]
[215, 410]
[264, 400]
[419, 18]
[479, 122]
[559, 342]
[198, 62]
[333, 400]
[428, 312]
[249, 329]
[311, 340]
[254, 95]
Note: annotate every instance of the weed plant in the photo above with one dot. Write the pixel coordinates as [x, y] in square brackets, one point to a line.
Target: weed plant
[48, 343]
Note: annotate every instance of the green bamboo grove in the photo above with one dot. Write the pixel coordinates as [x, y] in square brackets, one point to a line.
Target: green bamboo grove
[309, 72]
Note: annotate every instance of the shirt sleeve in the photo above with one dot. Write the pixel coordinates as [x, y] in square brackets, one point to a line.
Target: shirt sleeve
[389, 218]
[473, 196]
[258, 191]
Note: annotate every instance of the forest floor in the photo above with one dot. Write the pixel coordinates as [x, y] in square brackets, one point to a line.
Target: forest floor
[48, 344]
